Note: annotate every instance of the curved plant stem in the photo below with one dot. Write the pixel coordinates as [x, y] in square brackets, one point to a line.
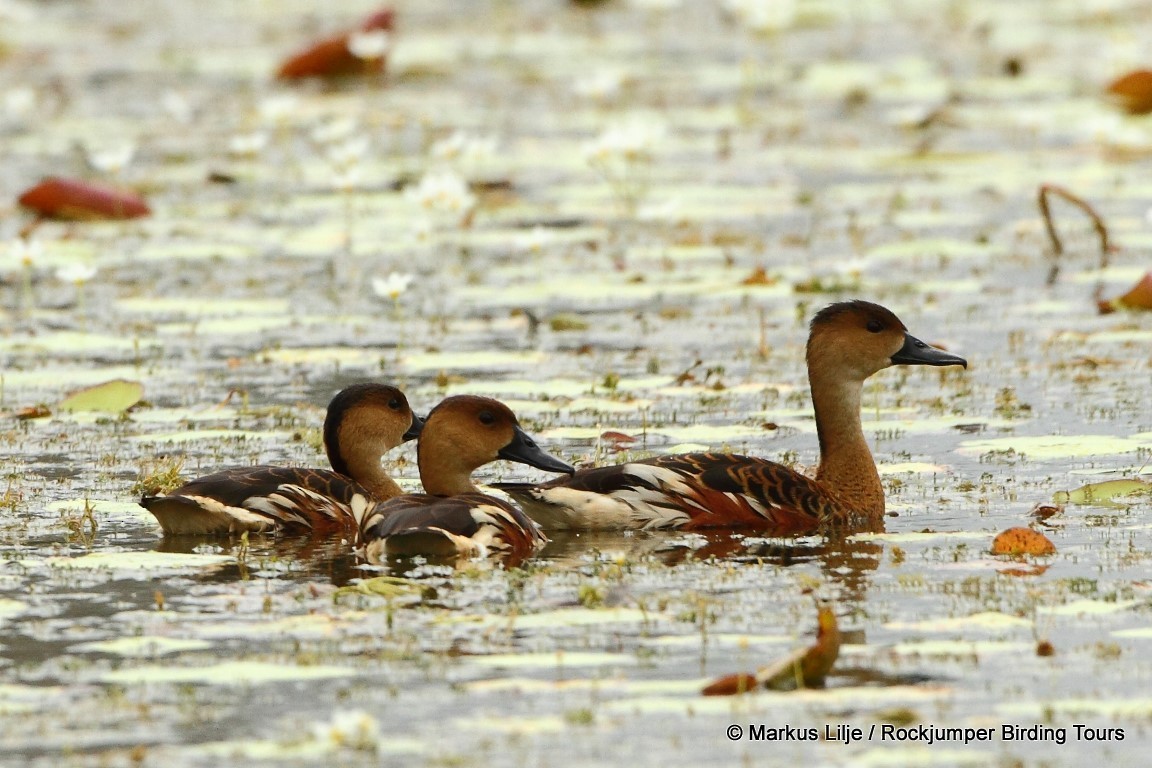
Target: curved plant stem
[1042, 196]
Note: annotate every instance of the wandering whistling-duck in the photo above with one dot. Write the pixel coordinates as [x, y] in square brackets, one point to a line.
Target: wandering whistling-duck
[453, 518]
[848, 342]
[364, 422]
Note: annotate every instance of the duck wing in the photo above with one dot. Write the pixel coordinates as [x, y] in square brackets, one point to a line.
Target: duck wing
[293, 500]
[470, 525]
[684, 491]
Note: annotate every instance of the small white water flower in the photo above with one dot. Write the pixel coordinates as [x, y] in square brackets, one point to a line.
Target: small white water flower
[349, 729]
[656, 5]
[177, 106]
[26, 252]
[75, 273]
[393, 285]
[664, 211]
[604, 85]
[422, 229]
[111, 158]
[536, 239]
[348, 152]
[279, 108]
[369, 44]
[335, 130]
[442, 191]
[347, 179]
[763, 16]
[464, 147]
[19, 102]
[248, 144]
[634, 140]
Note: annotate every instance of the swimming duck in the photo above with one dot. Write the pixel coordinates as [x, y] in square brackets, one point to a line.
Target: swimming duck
[363, 422]
[848, 342]
[453, 518]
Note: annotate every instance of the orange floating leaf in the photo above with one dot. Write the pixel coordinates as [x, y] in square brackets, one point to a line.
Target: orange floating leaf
[1022, 541]
[331, 57]
[730, 685]
[803, 668]
[78, 200]
[759, 276]
[1139, 297]
[1133, 92]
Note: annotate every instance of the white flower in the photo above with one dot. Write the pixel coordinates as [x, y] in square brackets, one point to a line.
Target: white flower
[602, 86]
[464, 147]
[634, 140]
[75, 273]
[666, 211]
[277, 109]
[763, 16]
[369, 44]
[347, 179]
[111, 158]
[656, 5]
[18, 102]
[177, 106]
[27, 252]
[442, 191]
[536, 239]
[247, 144]
[349, 729]
[337, 129]
[348, 152]
[393, 285]
[422, 229]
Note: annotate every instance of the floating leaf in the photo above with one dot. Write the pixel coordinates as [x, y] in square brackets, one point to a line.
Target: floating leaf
[74, 199]
[1139, 297]
[804, 668]
[332, 58]
[1022, 541]
[1133, 92]
[759, 276]
[114, 396]
[1103, 493]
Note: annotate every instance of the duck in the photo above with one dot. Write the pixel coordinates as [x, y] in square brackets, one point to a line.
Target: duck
[848, 342]
[363, 422]
[453, 518]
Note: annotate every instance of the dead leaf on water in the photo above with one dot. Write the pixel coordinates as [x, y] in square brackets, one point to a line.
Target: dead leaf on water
[1138, 297]
[114, 396]
[1133, 92]
[1022, 541]
[804, 668]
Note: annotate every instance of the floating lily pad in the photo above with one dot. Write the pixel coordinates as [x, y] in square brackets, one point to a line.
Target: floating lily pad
[229, 673]
[113, 396]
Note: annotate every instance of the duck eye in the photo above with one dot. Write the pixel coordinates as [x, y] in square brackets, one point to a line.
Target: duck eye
[394, 403]
[486, 417]
[874, 326]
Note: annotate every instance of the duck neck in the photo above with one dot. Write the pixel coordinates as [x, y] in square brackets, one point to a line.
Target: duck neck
[442, 472]
[846, 465]
[364, 468]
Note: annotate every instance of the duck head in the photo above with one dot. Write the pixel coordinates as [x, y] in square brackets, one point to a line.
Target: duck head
[367, 419]
[856, 339]
[464, 432]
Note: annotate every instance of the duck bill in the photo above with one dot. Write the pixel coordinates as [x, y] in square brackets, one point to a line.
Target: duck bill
[916, 352]
[414, 430]
[525, 450]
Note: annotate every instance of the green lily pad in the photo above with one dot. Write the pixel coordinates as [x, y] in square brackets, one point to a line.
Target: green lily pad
[114, 396]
